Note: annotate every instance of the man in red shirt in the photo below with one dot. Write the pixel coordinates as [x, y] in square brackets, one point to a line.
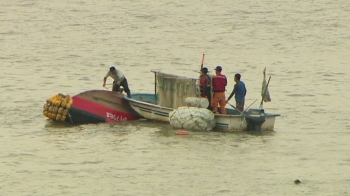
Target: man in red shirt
[219, 84]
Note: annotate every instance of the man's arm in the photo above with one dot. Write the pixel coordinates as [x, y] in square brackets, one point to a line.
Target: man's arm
[104, 81]
[212, 82]
[232, 93]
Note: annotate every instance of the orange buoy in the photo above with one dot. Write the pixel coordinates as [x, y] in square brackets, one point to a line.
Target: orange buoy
[181, 132]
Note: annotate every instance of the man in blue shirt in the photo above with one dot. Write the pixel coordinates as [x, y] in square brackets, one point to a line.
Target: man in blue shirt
[239, 91]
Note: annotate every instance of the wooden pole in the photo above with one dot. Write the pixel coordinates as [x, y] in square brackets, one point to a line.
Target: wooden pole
[155, 87]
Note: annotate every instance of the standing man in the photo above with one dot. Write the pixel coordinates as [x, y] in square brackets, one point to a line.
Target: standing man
[205, 86]
[239, 91]
[119, 80]
[219, 84]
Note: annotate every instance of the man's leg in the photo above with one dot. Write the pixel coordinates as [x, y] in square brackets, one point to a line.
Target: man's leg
[222, 102]
[126, 87]
[240, 106]
[208, 93]
[115, 87]
[215, 103]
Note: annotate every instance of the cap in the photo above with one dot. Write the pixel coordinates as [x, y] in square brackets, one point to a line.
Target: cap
[218, 68]
[112, 69]
[204, 69]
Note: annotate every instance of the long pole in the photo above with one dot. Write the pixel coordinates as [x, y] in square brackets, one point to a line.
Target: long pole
[155, 88]
[262, 99]
[241, 113]
[200, 75]
[249, 106]
[202, 61]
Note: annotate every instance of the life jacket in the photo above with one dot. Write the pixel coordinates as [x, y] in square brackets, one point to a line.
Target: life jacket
[205, 82]
[219, 83]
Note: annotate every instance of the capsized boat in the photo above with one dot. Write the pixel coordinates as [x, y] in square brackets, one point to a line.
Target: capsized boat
[93, 106]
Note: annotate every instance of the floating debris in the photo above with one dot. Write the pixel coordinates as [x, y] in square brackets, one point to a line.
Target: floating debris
[297, 181]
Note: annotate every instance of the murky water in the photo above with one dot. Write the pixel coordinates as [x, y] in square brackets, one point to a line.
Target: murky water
[67, 47]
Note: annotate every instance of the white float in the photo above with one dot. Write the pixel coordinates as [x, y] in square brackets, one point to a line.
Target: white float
[192, 118]
[197, 102]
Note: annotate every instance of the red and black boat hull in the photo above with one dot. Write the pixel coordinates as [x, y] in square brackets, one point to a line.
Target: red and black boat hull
[98, 106]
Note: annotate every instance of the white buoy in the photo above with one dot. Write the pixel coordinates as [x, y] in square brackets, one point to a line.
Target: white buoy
[197, 102]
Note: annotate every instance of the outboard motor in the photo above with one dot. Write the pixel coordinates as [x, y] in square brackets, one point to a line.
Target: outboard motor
[255, 118]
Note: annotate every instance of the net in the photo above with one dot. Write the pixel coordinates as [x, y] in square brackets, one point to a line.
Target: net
[172, 90]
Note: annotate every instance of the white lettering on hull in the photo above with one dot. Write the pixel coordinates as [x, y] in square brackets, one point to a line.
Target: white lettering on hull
[115, 117]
